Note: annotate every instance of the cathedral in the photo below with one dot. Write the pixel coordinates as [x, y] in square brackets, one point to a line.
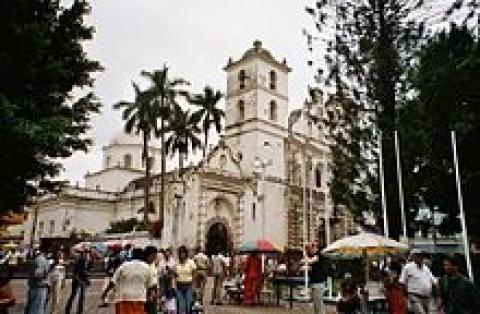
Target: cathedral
[266, 177]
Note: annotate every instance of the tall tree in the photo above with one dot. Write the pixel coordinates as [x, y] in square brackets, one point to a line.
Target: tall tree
[183, 135]
[447, 79]
[208, 113]
[41, 61]
[370, 50]
[164, 92]
[140, 117]
[368, 59]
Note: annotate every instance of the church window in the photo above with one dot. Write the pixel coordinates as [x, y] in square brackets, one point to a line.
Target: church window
[66, 224]
[273, 110]
[273, 80]
[223, 161]
[127, 161]
[318, 176]
[241, 110]
[52, 226]
[151, 162]
[40, 228]
[254, 211]
[108, 161]
[241, 79]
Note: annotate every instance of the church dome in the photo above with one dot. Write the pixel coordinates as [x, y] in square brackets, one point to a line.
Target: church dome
[257, 51]
[123, 138]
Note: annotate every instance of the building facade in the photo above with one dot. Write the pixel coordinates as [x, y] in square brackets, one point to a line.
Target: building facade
[266, 178]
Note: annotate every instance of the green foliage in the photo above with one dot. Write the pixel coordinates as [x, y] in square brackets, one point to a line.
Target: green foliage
[141, 117]
[208, 114]
[126, 225]
[163, 93]
[448, 81]
[370, 60]
[183, 134]
[41, 61]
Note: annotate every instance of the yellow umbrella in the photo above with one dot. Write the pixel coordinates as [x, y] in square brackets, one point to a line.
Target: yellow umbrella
[365, 243]
[10, 245]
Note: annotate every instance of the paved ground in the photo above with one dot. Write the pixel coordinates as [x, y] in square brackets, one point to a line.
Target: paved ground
[94, 291]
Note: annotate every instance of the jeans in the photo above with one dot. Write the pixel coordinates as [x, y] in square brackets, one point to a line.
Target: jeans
[417, 304]
[184, 298]
[317, 292]
[36, 302]
[76, 285]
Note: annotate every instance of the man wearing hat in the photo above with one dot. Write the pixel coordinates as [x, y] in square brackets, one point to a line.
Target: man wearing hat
[418, 281]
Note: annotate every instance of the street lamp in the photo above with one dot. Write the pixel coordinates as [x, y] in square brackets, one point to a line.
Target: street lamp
[260, 168]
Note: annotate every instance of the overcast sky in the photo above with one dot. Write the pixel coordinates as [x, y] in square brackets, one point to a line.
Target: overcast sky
[195, 38]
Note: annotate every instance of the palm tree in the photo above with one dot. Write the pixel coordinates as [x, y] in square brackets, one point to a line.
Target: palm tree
[140, 117]
[183, 135]
[163, 93]
[208, 113]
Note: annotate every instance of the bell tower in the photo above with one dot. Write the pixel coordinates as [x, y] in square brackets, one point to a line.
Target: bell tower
[256, 106]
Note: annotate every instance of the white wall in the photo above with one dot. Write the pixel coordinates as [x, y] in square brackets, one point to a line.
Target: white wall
[112, 180]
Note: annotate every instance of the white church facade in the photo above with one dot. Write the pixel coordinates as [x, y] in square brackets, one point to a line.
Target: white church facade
[268, 172]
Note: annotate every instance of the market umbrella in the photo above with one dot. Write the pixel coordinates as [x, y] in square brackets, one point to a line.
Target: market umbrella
[10, 245]
[365, 243]
[261, 245]
[81, 247]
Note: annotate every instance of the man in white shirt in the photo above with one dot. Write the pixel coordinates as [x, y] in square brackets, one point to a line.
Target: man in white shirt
[133, 282]
[418, 281]
[219, 269]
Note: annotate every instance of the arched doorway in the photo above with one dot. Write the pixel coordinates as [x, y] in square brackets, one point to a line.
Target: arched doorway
[217, 239]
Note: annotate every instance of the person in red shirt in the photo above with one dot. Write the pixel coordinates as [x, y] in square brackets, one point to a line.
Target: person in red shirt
[253, 279]
[394, 290]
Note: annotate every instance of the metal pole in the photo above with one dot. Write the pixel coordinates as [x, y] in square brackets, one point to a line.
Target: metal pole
[382, 186]
[304, 213]
[400, 187]
[34, 225]
[310, 204]
[262, 197]
[460, 206]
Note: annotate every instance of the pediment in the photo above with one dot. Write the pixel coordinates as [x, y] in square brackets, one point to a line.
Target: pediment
[221, 159]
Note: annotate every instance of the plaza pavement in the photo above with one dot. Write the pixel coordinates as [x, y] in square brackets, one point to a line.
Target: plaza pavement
[92, 299]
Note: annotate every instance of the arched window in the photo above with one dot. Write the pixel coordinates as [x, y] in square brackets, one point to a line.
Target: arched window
[108, 161]
[241, 79]
[318, 176]
[127, 161]
[241, 110]
[273, 80]
[52, 227]
[273, 110]
[254, 211]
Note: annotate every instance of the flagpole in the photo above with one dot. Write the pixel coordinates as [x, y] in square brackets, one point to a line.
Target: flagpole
[400, 187]
[460, 206]
[382, 186]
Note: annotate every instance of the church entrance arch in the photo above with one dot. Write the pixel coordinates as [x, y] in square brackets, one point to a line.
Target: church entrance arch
[218, 237]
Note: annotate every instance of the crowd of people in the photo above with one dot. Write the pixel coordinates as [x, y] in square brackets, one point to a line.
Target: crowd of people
[148, 280]
[408, 287]
[141, 280]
